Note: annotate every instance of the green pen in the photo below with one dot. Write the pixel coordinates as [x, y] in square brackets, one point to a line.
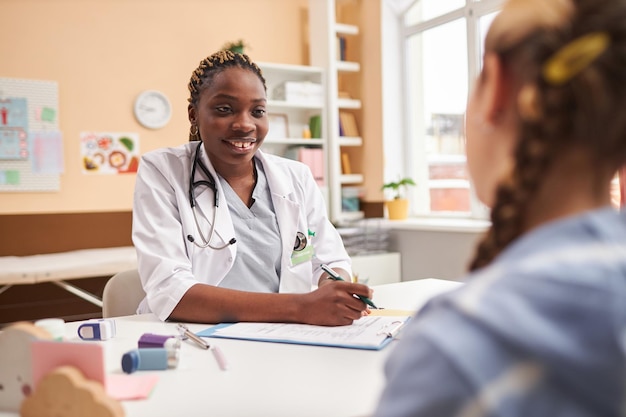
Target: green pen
[335, 277]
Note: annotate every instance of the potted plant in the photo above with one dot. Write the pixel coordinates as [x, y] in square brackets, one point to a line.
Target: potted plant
[398, 206]
[237, 46]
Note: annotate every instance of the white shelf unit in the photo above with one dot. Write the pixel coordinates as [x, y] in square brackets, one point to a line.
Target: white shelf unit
[350, 141]
[298, 111]
[324, 31]
[345, 29]
[351, 179]
[347, 66]
[348, 103]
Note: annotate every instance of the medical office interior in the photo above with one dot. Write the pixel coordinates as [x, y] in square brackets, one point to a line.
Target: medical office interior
[78, 68]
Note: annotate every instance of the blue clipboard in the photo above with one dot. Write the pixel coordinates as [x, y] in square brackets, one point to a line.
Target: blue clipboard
[370, 333]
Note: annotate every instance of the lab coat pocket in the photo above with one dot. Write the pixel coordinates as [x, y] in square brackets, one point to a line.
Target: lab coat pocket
[304, 255]
[303, 250]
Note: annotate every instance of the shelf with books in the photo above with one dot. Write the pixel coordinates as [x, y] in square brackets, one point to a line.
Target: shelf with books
[348, 125]
[342, 32]
[296, 93]
[313, 157]
[297, 109]
[335, 46]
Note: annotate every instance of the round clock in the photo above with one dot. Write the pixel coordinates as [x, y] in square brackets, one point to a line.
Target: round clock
[152, 109]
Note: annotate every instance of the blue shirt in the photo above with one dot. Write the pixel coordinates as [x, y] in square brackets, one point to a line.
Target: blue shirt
[257, 266]
[538, 332]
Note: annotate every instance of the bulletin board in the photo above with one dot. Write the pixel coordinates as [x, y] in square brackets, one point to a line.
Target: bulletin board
[31, 148]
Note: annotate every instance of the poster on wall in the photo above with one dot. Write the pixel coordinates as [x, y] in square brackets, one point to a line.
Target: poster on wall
[31, 147]
[109, 153]
[46, 152]
[13, 128]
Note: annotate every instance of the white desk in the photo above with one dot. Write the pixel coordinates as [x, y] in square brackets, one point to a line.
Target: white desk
[265, 379]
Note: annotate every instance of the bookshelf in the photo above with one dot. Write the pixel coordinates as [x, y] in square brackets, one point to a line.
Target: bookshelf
[330, 20]
[296, 93]
[335, 47]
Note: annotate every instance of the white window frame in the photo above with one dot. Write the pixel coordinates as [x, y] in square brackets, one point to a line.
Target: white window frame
[398, 141]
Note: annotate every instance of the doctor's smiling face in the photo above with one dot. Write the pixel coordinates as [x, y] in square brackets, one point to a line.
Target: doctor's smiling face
[228, 112]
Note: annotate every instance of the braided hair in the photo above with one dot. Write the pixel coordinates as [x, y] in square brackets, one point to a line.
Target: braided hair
[581, 112]
[208, 68]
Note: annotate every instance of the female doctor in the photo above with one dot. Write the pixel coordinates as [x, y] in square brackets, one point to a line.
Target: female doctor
[226, 233]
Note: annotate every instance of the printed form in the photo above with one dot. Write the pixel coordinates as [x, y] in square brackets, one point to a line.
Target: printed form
[369, 332]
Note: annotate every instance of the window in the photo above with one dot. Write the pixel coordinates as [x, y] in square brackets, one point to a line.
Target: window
[618, 189]
[442, 53]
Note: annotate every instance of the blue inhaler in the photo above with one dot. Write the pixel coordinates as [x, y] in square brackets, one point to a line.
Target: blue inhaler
[154, 353]
[150, 359]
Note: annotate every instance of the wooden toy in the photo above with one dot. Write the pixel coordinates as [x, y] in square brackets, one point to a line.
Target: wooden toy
[66, 392]
[16, 375]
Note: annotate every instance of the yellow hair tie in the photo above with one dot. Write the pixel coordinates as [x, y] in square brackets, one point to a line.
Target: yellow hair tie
[574, 57]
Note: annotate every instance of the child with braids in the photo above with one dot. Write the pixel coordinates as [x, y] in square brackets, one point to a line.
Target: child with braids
[215, 219]
[539, 328]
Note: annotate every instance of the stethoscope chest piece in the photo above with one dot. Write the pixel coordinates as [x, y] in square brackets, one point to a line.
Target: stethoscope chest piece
[300, 242]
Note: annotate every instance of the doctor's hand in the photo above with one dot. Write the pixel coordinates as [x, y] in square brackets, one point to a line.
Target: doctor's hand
[334, 303]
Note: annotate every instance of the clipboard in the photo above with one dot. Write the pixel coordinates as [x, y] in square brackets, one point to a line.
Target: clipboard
[369, 332]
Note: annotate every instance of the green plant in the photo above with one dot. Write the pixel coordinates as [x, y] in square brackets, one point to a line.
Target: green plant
[235, 46]
[397, 186]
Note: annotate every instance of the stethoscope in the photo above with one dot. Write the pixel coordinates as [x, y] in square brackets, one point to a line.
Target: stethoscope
[192, 201]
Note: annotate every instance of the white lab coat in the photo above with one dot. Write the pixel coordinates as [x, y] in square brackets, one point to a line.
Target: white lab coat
[162, 218]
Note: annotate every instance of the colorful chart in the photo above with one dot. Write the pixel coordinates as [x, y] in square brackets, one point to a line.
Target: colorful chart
[109, 153]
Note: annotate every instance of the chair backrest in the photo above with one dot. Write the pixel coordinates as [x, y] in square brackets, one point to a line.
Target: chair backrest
[122, 294]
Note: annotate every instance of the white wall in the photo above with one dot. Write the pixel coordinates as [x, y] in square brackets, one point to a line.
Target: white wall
[433, 254]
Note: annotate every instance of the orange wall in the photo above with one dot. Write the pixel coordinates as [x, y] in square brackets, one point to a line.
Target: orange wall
[103, 53]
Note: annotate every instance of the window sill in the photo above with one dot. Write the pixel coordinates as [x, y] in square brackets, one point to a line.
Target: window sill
[439, 224]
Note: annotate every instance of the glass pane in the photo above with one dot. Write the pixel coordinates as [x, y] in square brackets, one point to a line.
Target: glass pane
[427, 9]
[483, 27]
[438, 88]
[618, 189]
[622, 186]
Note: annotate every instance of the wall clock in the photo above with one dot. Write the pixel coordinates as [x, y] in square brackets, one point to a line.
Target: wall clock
[152, 109]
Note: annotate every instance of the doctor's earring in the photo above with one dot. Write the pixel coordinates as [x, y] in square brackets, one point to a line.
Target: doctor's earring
[193, 133]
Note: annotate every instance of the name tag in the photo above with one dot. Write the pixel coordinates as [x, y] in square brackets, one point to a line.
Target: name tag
[304, 255]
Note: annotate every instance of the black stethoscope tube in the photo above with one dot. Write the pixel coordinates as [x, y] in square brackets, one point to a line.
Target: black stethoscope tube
[193, 184]
[192, 201]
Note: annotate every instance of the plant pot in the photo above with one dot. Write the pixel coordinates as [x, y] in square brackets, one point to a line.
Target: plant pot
[397, 209]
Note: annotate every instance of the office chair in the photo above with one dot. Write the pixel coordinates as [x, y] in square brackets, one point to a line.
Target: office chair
[122, 294]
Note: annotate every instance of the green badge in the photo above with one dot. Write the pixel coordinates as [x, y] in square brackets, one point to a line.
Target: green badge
[304, 255]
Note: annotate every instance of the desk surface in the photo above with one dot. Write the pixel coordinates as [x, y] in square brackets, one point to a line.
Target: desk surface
[265, 379]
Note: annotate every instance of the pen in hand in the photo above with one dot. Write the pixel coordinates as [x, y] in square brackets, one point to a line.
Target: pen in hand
[217, 352]
[335, 277]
